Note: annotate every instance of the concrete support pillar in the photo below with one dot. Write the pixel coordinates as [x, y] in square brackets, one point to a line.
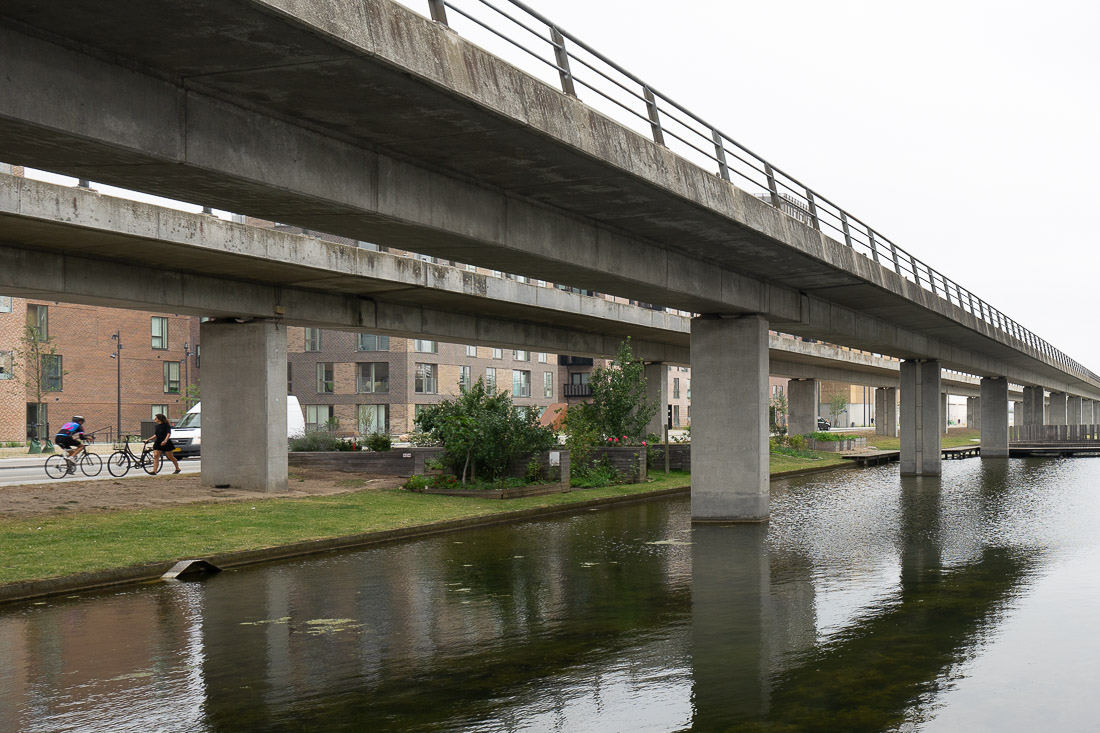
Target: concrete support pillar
[974, 412]
[921, 419]
[994, 417]
[244, 422]
[802, 401]
[729, 419]
[1073, 410]
[1034, 402]
[943, 413]
[886, 411]
[1057, 408]
[656, 390]
[1017, 413]
[1088, 411]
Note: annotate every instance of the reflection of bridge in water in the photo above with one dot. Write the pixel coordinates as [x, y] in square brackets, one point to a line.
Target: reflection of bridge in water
[549, 620]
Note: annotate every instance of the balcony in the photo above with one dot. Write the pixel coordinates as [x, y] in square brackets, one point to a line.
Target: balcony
[576, 390]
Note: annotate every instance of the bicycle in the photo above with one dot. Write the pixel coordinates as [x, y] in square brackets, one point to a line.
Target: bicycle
[59, 465]
[124, 458]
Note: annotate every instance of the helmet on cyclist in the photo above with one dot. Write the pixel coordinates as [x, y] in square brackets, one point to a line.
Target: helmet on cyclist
[79, 419]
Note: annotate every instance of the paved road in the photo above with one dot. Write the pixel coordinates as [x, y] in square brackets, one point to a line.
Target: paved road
[15, 471]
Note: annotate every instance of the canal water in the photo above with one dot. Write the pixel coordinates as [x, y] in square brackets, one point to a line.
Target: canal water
[868, 603]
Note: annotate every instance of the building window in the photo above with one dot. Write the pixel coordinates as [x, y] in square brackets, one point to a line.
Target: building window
[51, 372]
[418, 410]
[521, 383]
[372, 342]
[38, 319]
[578, 377]
[374, 377]
[464, 377]
[171, 377]
[289, 378]
[521, 355]
[542, 357]
[548, 384]
[7, 362]
[676, 388]
[471, 351]
[425, 347]
[676, 415]
[318, 416]
[160, 333]
[325, 382]
[498, 354]
[5, 304]
[374, 419]
[313, 339]
[491, 380]
[424, 382]
[155, 410]
[689, 390]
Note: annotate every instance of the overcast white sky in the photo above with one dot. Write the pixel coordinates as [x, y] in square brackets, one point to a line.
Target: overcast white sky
[964, 131]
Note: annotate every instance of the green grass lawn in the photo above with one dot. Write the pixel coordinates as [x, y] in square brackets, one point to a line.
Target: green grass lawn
[50, 546]
[956, 438]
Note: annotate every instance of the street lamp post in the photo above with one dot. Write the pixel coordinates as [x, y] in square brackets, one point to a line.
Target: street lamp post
[117, 356]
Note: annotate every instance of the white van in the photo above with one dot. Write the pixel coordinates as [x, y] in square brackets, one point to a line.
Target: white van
[187, 433]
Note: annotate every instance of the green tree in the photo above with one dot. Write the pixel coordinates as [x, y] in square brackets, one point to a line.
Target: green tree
[838, 404]
[41, 373]
[482, 433]
[621, 406]
[779, 409]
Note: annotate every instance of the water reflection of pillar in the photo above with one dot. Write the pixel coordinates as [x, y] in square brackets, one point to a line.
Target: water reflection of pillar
[730, 581]
[921, 544]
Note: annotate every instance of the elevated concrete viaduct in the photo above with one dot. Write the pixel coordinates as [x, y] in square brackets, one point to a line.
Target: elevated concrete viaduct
[362, 118]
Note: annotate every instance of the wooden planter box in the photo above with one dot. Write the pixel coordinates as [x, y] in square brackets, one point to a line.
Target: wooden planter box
[836, 446]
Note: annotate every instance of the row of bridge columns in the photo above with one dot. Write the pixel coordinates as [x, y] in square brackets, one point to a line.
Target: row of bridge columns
[244, 411]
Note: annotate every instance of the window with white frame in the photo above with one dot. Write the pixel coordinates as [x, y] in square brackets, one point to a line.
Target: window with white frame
[425, 347]
[5, 304]
[465, 377]
[676, 388]
[318, 416]
[521, 355]
[313, 339]
[521, 383]
[425, 379]
[52, 372]
[155, 410]
[498, 354]
[326, 383]
[373, 419]
[38, 319]
[373, 342]
[7, 363]
[160, 333]
[373, 377]
[471, 351]
[542, 357]
[548, 384]
[491, 380]
[171, 377]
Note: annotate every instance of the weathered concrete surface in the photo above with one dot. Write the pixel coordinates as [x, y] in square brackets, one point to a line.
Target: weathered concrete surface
[994, 418]
[1073, 410]
[920, 418]
[729, 418]
[1058, 406]
[1018, 412]
[802, 402]
[247, 106]
[656, 390]
[886, 411]
[974, 411]
[244, 405]
[1034, 406]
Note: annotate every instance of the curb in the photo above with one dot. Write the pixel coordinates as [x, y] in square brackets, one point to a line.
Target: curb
[34, 589]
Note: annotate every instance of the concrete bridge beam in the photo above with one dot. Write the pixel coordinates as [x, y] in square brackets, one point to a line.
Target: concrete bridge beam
[994, 417]
[802, 401]
[886, 411]
[974, 412]
[1018, 413]
[1073, 410]
[729, 451]
[1034, 406]
[921, 419]
[244, 405]
[1058, 406]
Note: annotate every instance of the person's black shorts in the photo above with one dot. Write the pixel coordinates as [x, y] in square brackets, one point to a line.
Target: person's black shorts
[168, 446]
[67, 441]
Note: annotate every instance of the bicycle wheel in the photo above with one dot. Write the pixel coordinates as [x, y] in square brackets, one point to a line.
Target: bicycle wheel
[91, 464]
[146, 461]
[118, 464]
[56, 466]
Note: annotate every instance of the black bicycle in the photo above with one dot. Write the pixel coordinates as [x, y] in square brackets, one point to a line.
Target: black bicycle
[124, 458]
[60, 465]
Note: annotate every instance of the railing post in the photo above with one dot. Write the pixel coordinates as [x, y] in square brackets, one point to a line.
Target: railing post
[847, 232]
[439, 11]
[562, 58]
[874, 245]
[812, 205]
[720, 153]
[654, 118]
[776, 201]
[83, 183]
[897, 265]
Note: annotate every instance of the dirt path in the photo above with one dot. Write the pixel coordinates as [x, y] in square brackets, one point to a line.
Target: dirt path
[135, 492]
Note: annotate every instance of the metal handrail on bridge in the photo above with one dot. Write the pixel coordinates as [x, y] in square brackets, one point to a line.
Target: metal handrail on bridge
[674, 126]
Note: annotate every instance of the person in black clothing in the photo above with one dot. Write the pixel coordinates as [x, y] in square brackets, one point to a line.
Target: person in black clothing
[162, 444]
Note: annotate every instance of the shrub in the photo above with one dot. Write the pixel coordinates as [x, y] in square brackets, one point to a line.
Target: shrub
[319, 440]
[378, 442]
[534, 474]
[596, 475]
[796, 442]
[416, 483]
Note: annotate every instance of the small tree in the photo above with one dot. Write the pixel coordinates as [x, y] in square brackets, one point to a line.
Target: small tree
[41, 372]
[621, 406]
[481, 432]
[778, 411]
[191, 395]
[838, 404]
